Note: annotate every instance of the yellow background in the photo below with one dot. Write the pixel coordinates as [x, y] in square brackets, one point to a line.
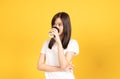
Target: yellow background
[24, 26]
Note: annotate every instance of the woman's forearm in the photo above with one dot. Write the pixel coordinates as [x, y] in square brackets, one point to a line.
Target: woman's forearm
[63, 62]
[48, 68]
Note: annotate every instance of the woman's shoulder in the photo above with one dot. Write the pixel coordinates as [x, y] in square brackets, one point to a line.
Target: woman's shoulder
[46, 41]
[72, 40]
[73, 46]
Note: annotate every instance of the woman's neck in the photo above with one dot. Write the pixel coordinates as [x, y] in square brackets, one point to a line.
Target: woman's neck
[61, 36]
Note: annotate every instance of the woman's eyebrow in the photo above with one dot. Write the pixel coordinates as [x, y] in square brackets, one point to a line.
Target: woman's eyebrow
[60, 23]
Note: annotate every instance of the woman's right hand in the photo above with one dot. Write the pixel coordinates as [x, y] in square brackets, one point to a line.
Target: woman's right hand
[70, 68]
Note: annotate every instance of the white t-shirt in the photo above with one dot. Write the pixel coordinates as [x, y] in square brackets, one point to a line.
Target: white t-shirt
[52, 59]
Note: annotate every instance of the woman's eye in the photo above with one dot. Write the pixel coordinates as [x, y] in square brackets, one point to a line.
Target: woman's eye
[59, 24]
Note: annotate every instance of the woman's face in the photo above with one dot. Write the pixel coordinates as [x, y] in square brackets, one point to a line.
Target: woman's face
[59, 23]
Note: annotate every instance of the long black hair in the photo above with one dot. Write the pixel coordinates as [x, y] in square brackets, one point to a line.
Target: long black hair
[66, 29]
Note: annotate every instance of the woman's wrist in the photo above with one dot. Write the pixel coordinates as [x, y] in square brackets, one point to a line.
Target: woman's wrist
[59, 43]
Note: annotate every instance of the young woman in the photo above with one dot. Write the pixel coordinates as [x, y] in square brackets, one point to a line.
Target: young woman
[57, 53]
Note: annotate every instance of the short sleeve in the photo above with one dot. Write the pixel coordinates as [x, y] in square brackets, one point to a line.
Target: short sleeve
[73, 46]
[44, 47]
